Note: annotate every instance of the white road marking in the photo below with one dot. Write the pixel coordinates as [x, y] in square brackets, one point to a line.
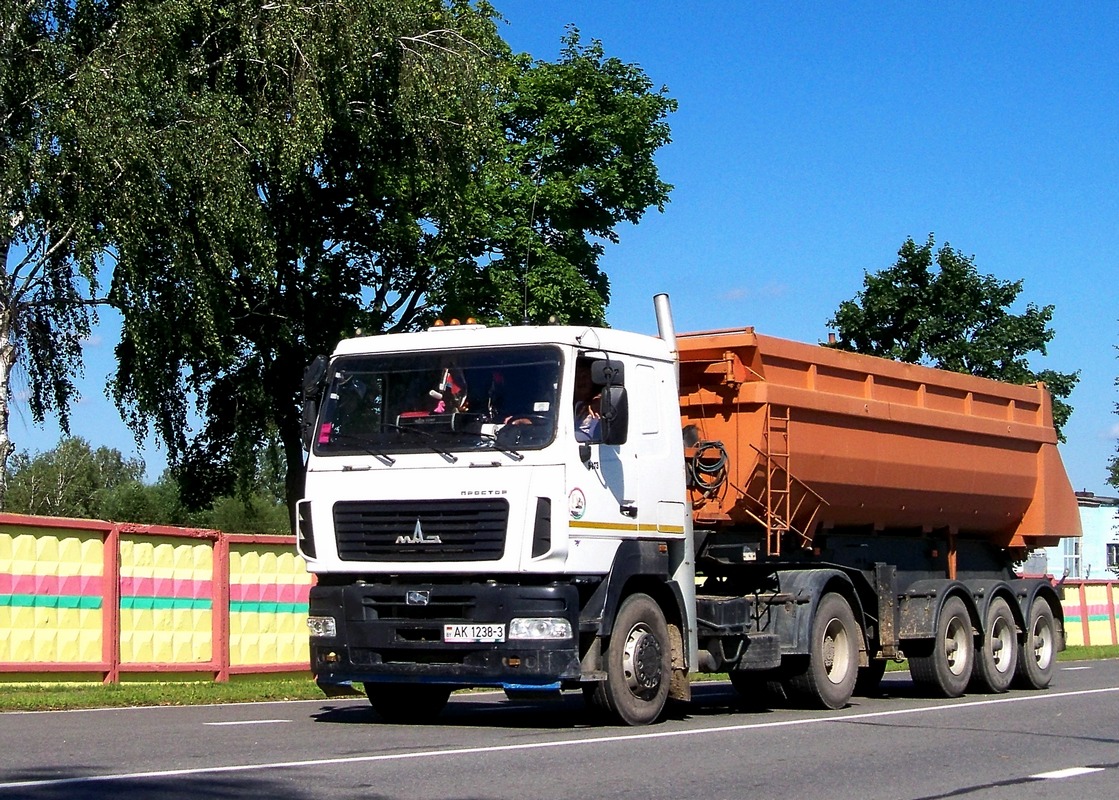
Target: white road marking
[507, 748]
[248, 722]
[1073, 669]
[1071, 772]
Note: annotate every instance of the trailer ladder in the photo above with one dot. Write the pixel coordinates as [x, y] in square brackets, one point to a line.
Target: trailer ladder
[783, 502]
[778, 495]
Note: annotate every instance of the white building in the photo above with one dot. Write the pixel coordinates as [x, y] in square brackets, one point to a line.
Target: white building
[1094, 555]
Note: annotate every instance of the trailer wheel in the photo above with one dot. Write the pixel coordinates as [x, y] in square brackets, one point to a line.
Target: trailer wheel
[997, 659]
[829, 677]
[638, 664]
[946, 670]
[1038, 658]
[404, 702]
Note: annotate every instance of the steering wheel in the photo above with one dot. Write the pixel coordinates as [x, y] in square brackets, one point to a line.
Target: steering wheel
[524, 429]
[527, 419]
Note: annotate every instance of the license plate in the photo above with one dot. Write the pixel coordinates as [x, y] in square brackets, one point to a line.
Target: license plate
[474, 633]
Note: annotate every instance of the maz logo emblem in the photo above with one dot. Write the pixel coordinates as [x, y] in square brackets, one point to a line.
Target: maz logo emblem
[418, 537]
[417, 598]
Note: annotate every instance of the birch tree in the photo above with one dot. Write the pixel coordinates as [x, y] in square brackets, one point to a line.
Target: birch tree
[50, 229]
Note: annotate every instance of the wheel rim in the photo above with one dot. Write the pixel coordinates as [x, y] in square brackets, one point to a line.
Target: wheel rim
[956, 644]
[1002, 645]
[836, 651]
[1043, 643]
[641, 662]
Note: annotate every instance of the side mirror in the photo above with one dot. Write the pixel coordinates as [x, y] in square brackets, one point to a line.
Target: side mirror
[613, 424]
[606, 372]
[313, 377]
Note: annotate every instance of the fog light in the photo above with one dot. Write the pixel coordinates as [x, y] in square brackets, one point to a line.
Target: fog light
[322, 626]
[539, 628]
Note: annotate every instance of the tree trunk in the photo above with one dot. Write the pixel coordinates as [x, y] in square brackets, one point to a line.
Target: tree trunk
[7, 361]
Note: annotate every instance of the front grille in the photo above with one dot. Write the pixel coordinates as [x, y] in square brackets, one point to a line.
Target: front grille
[421, 530]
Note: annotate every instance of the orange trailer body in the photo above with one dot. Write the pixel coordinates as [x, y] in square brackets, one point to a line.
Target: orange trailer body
[817, 438]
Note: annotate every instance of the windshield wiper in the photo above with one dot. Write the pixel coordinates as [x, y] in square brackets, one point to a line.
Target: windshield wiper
[513, 454]
[361, 445]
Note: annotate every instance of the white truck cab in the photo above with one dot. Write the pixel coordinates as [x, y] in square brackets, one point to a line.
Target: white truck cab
[466, 531]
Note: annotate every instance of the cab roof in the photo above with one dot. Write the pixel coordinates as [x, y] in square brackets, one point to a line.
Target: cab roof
[481, 336]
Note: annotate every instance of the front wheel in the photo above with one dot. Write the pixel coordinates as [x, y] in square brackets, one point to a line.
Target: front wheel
[1038, 658]
[829, 677]
[638, 664]
[396, 702]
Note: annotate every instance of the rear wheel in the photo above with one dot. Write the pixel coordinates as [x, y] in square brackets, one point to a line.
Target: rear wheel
[946, 670]
[833, 659]
[638, 664]
[397, 702]
[997, 659]
[1038, 658]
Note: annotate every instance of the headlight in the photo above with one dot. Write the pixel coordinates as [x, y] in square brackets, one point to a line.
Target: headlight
[539, 628]
[322, 626]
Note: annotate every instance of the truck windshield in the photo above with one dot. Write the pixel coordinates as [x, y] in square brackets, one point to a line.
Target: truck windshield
[442, 401]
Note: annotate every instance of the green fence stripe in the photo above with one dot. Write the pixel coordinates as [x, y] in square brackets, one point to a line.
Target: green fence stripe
[260, 607]
[83, 602]
[165, 603]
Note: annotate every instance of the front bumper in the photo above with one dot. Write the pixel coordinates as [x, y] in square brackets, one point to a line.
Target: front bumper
[381, 637]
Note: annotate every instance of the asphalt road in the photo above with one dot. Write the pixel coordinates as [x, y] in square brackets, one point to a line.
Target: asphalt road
[1058, 744]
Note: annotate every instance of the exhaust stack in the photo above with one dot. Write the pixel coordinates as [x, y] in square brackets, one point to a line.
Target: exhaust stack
[666, 329]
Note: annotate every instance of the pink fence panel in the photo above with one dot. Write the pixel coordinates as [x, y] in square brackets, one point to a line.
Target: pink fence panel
[87, 598]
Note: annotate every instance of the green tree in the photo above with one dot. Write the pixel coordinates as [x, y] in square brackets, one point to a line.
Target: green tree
[287, 172]
[75, 480]
[50, 228]
[284, 173]
[149, 504]
[69, 481]
[934, 307]
[574, 159]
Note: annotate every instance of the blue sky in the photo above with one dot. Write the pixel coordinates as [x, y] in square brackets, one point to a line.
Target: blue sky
[812, 139]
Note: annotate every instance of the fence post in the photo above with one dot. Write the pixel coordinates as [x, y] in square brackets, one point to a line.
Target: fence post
[1111, 611]
[110, 605]
[1085, 620]
[221, 607]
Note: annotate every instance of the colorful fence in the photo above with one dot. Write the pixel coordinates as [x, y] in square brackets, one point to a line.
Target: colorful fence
[1091, 608]
[84, 596]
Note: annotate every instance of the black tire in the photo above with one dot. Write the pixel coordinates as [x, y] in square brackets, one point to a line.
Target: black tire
[638, 664]
[829, 678]
[946, 669]
[997, 658]
[1038, 659]
[407, 703]
[869, 682]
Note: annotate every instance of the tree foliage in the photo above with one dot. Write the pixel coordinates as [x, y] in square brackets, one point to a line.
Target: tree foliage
[71, 480]
[76, 480]
[50, 222]
[574, 159]
[934, 307]
[278, 174]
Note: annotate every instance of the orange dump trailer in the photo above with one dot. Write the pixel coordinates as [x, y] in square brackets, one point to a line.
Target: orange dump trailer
[798, 439]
